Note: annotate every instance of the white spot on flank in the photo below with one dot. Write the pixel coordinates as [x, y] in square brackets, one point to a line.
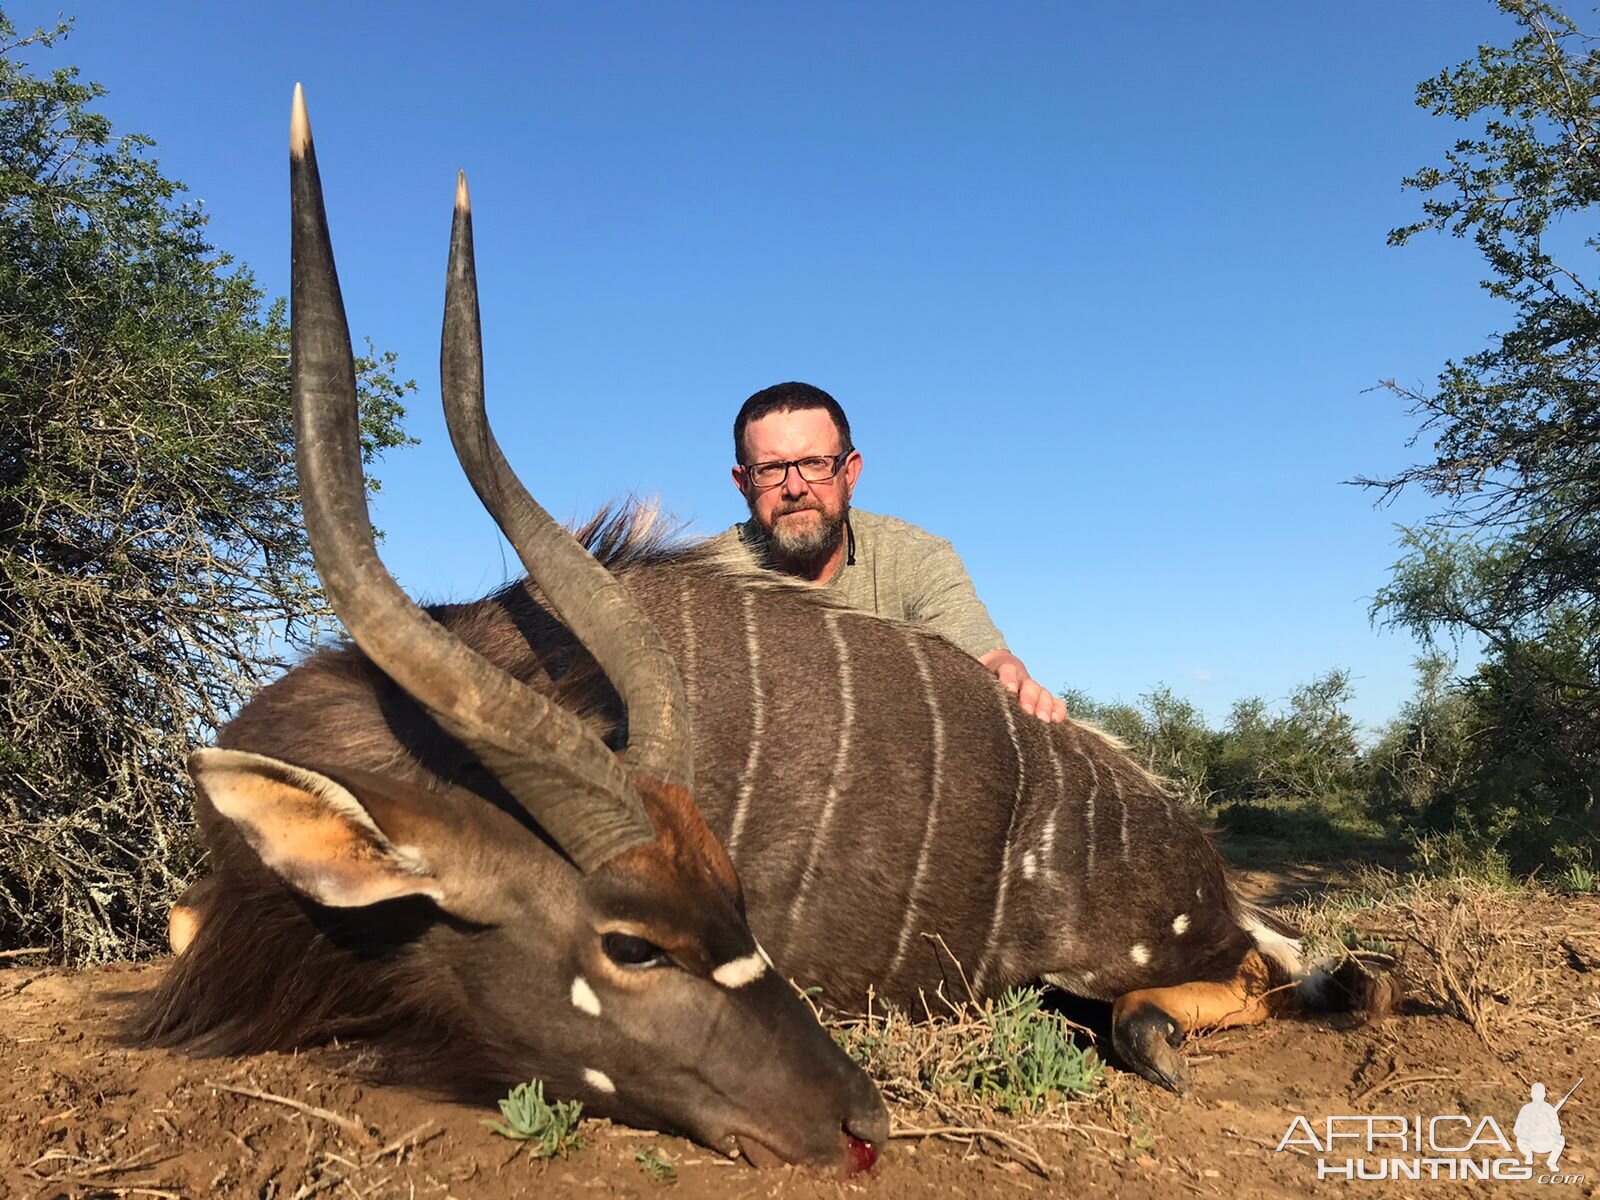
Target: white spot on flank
[1139, 954]
[1180, 924]
[1030, 864]
[740, 971]
[1198, 895]
[583, 997]
[598, 1080]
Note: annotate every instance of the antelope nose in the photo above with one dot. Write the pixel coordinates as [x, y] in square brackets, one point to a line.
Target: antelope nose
[865, 1132]
[859, 1156]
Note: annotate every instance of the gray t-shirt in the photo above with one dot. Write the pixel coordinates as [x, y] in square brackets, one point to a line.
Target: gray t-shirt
[901, 572]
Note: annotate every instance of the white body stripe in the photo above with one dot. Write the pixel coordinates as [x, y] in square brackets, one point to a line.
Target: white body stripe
[1047, 839]
[737, 972]
[1088, 813]
[583, 997]
[1122, 803]
[747, 781]
[1078, 983]
[841, 759]
[996, 921]
[935, 786]
[686, 661]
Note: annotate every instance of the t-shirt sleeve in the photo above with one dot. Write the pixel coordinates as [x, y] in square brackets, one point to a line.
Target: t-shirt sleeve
[944, 599]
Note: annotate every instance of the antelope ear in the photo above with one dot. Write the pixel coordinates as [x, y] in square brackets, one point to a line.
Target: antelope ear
[310, 831]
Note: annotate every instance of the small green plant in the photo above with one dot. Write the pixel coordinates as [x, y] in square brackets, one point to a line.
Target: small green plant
[1024, 1058]
[548, 1129]
[1580, 879]
[1460, 856]
[1359, 942]
[655, 1164]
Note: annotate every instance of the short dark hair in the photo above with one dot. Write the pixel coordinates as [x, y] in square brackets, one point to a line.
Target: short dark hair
[788, 397]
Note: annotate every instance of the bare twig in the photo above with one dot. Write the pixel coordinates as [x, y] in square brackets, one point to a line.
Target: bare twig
[972, 997]
[412, 1136]
[1019, 1149]
[1393, 1081]
[101, 1188]
[353, 1127]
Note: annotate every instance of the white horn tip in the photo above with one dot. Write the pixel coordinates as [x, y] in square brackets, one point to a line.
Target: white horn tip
[299, 124]
[463, 201]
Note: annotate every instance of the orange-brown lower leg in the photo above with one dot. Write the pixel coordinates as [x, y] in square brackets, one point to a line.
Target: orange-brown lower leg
[1241, 1000]
[1148, 1025]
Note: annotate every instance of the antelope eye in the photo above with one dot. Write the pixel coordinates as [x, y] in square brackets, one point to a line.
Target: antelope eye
[634, 952]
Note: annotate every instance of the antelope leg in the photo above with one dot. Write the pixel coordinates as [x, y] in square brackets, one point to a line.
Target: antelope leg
[1148, 1025]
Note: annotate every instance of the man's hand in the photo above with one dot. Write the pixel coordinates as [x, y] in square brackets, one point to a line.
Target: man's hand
[1008, 669]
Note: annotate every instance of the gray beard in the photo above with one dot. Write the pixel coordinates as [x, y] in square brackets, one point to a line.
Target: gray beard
[797, 551]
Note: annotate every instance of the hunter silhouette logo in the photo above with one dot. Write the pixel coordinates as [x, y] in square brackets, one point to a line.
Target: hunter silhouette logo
[1538, 1128]
[1449, 1146]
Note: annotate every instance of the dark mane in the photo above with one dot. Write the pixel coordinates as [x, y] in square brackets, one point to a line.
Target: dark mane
[633, 533]
[329, 974]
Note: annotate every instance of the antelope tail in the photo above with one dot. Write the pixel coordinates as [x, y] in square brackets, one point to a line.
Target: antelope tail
[1361, 982]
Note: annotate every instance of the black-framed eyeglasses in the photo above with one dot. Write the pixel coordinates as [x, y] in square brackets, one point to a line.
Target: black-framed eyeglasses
[819, 468]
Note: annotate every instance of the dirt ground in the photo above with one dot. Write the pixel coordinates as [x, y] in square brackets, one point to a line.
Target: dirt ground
[1508, 993]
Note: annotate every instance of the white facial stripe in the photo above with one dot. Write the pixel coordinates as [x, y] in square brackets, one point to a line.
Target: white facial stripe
[1139, 954]
[741, 971]
[583, 997]
[1180, 923]
[598, 1080]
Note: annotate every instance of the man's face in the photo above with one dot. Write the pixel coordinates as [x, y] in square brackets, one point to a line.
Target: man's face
[805, 521]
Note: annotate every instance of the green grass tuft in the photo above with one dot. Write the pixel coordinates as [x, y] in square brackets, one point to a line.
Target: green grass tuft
[548, 1129]
[655, 1164]
[1579, 879]
[1024, 1059]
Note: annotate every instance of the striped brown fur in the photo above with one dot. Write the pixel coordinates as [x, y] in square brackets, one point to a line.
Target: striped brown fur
[900, 816]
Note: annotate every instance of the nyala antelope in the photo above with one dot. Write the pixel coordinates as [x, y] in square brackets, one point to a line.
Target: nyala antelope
[501, 837]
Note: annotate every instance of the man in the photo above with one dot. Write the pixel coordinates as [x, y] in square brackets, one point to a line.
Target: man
[797, 469]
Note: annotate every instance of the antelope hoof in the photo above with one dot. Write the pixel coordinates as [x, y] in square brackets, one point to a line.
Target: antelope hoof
[1148, 1041]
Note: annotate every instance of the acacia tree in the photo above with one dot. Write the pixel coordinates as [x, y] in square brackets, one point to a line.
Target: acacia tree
[1513, 556]
[152, 557]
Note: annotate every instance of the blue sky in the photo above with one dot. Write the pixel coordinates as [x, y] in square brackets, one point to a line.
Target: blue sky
[1104, 289]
